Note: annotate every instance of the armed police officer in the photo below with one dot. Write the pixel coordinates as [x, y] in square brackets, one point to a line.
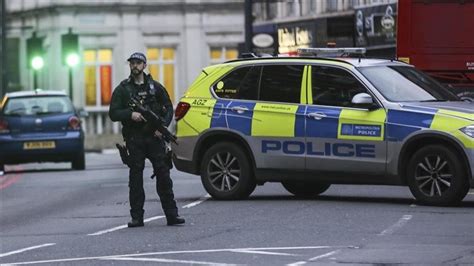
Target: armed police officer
[142, 141]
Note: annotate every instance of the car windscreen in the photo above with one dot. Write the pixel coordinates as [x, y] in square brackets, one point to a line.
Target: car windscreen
[37, 105]
[406, 84]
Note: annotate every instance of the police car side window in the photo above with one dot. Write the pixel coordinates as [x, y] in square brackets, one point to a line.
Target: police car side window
[334, 86]
[241, 83]
[281, 83]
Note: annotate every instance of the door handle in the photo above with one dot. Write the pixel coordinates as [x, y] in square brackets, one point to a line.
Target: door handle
[317, 116]
[239, 109]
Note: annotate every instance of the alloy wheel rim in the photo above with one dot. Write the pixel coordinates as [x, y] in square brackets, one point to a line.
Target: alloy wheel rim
[433, 176]
[224, 171]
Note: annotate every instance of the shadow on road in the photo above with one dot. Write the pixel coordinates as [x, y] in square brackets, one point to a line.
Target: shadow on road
[329, 198]
[19, 170]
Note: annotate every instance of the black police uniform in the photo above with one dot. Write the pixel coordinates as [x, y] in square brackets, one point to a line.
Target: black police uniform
[141, 144]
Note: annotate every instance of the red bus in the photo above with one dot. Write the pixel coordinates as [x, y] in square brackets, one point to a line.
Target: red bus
[437, 36]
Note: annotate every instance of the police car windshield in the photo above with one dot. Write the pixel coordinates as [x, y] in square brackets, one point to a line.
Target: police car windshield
[406, 84]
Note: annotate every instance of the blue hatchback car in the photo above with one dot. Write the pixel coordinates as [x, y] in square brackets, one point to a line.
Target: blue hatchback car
[40, 126]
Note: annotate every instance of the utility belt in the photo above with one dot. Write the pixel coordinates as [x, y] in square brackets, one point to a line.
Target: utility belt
[125, 155]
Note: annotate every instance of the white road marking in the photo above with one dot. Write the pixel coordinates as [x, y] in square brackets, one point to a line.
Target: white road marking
[314, 258]
[175, 252]
[413, 205]
[324, 255]
[471, 193]
[110, 151]
[396, 226]
[192, 204]
[169, 261]
[262, 252]
[26, 249]
[201, 200]
[123, 226]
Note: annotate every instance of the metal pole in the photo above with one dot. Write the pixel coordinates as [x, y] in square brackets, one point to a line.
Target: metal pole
[3, 54]
[70, 83]
[35, 79]
[248, 26]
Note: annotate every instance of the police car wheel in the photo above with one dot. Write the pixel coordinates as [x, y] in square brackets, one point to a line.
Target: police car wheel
[226, 172]
[305, 189]
[436, 176]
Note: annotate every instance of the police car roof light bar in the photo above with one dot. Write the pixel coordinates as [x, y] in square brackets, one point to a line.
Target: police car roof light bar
[331, 52]
[248, 55]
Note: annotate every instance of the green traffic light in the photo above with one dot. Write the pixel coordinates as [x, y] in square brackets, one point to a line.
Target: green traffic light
[72, 60]
[37, 63]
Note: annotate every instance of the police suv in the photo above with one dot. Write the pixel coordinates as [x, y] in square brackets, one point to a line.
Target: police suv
[309, 122]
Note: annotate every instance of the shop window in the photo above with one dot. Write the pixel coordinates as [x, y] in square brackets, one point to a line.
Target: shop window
[222, 54]
[98, 76]
[332, 5]
[341, 26]
[162, 65]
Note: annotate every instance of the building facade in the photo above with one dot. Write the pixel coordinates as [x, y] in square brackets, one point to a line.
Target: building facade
[179, 37]
[281, 27]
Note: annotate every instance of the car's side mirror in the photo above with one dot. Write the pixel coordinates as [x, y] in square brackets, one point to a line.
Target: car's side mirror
[364, 100]
[82, 113]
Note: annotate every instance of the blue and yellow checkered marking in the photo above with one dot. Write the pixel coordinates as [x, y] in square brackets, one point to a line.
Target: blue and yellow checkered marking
[326, 127]
[300, 121]
[400, 124]
[236, 115]
[291, 120]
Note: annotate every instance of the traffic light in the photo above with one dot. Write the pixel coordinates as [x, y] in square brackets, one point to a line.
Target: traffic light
[34, 52]
[70, 49]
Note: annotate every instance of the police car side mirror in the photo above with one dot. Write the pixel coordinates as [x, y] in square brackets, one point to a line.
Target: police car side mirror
[364, 100]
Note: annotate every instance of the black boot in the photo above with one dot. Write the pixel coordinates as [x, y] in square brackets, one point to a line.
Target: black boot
[136, 223]
[174, 220]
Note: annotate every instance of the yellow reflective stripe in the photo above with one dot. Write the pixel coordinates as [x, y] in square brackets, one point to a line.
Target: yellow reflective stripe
[457, 114]
[310, 85]
[274, 120]
[465, 139]
[202, 87]
[303, 85]
[362, 117]
[198, 117]
[444, 121]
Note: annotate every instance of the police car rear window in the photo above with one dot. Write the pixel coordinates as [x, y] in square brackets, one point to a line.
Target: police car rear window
[281, 83]
[241, 83]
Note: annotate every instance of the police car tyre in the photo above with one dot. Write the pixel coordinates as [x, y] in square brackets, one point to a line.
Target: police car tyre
[226, 173]
[305, 189]
[436, 176]
[79, 163]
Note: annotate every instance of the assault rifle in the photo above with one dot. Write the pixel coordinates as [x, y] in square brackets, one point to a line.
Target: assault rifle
[153, 119]
[156, 124]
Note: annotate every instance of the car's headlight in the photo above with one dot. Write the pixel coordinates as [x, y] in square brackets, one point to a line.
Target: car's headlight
[469, 130]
